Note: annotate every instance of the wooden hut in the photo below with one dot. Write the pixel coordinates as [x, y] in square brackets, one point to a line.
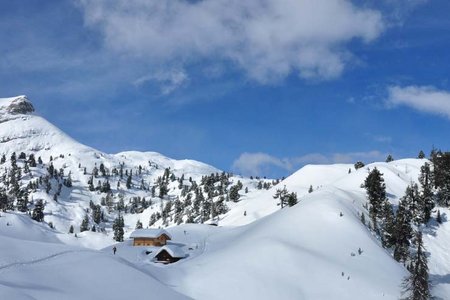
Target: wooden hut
[150, 237]
[169, 254]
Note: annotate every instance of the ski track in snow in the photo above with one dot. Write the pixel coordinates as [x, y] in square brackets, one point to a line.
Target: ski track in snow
[39, 260]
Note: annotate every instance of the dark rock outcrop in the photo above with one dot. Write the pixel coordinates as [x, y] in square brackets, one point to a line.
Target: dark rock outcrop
[20, 105]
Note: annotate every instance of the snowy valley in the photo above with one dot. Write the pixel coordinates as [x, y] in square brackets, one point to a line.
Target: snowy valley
[65, 206]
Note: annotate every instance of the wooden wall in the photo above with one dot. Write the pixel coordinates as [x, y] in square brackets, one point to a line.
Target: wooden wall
[159, 241]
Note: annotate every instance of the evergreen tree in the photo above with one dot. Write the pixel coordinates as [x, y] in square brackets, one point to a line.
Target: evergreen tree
[84, 224]
[234, 193]
[413, 202]
[387, 234]
[417, 285]
[239, 184]
[292, 199]
[441, 170]
[421, 155]
[138, 224]
[206, 210]
[71, 229]
[389, 158]
[95, 171]
[38, 211]
[260, 185]
[3, 201]
[13, 158]
[283, 195]
[198, 200]
[426, 204]
[220, 206]
[118, 229]
[106, 187]
[102, 169]
[152, 220]
[402, 231]
[51, 170]
[376, 194]
[438, 217]
[91, 183]
[163, 189]
[68, 181]
[359, 165]
[22, 201]
[97, 213]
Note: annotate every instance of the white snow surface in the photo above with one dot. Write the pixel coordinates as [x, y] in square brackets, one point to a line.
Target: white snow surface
[46, 269]
[308, 251]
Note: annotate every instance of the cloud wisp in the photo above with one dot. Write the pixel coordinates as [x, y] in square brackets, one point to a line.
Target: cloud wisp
[267, 39]
[258, 164]
[427, 99]
[168, 80]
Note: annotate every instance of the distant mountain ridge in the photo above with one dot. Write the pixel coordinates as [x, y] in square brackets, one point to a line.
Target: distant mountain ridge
[22, 130]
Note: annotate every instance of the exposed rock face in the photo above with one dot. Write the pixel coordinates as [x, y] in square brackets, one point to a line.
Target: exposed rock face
[20, 105]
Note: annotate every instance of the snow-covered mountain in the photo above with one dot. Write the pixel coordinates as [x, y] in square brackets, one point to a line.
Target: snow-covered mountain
[141, 199]
[24, 131]
[316, 249]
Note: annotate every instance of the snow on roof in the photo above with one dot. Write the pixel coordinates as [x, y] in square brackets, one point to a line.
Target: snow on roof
[149, 233]
[173, 250]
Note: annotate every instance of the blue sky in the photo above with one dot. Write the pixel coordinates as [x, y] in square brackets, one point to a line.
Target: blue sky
[255, 87]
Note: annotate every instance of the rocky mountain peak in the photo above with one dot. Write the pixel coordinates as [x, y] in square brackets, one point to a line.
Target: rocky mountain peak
[16, 105]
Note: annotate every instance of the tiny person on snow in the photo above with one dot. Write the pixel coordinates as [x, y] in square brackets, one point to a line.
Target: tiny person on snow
[114, 250]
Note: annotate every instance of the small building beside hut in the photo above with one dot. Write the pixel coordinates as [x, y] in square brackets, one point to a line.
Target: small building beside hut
[169, 254]
[150, 237]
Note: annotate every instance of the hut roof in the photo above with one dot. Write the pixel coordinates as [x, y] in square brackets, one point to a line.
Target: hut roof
[149, 233]
[173, 250]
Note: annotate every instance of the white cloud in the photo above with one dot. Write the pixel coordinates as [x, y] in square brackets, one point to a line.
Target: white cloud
[268, 39]
[352, 157]
[260, 164]
[256, 163]
[168, 80]
[426, 99]
[311, 158]
[399, 10]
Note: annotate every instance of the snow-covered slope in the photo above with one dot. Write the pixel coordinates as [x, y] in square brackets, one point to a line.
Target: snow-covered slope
[317, 249]
[261, 203]
[308, 251]
[33, 265]
[399, 174]
[437, 242]
[25, 131]
[305, 252]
